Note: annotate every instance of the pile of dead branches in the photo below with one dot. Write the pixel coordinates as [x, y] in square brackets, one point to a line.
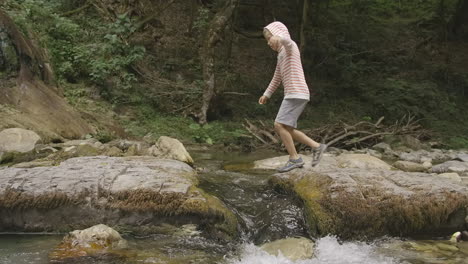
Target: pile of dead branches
[343, 135]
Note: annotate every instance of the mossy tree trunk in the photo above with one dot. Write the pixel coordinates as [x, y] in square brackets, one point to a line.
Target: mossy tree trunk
[207, 55]
[305, 14]
[460, 20]
[32, 60]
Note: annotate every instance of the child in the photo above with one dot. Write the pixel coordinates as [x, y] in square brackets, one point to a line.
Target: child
[289, 72]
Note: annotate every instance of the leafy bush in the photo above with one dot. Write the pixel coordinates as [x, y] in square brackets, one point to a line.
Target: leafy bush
[88, 50]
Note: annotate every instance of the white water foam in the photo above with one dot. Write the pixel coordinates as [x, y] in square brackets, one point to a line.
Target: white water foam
[328, 250]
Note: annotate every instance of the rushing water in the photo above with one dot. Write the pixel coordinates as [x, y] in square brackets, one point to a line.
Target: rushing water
[264, 215]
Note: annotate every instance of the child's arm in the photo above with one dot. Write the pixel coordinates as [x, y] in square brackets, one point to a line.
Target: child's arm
[275, 82]
[287, 43]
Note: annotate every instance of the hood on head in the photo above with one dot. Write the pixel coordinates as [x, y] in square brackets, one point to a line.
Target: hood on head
[278, 29]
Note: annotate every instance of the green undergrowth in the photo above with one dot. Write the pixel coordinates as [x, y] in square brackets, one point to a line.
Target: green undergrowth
[148, 122]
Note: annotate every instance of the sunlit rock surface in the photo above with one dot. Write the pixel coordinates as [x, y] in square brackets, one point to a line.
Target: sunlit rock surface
[170, 148]
[371, 199]
[134, 193]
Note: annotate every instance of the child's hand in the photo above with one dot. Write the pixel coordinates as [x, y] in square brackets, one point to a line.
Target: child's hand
[275, 43]
[263, 99]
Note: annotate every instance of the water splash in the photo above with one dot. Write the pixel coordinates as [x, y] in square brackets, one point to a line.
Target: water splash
[328, 250]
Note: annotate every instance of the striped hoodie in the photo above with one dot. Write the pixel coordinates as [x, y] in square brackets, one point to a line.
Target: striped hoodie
[288, 67]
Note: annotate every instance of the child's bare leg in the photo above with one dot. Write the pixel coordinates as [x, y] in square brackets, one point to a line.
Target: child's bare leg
[287, 138]
[304, 139]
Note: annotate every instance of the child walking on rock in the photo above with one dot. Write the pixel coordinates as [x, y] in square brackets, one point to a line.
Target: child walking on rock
[289, 72]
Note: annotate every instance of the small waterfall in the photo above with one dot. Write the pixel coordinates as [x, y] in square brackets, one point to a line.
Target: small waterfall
[328, 251]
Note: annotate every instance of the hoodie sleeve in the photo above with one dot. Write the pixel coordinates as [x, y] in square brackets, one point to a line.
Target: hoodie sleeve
[287, 43]
[275, 82]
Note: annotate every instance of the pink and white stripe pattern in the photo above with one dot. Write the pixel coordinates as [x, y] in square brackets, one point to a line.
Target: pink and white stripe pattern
[288, 68]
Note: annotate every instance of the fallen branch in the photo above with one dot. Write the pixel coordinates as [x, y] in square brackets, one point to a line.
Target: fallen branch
[79, 9]
[344, 135]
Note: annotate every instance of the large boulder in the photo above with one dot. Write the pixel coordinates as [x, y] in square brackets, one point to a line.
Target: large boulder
[371, 201]
[133, 193]
[299, 248]
[18, 140]
[170, 148]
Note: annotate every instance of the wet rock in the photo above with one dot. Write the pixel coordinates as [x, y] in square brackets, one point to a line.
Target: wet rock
[45, 149]
[170, 148]
[451, 175]
[409, 166]
[361, 161]
[411, 142]
[96, 240]
[291, 248]
[133, 148]
[446, 247]
[274, 163]
[18, 140]
[187, 231]
[134, 193]
[451, 166]
[382, 147]
[364, 200]
[462, 157]
[114, 152]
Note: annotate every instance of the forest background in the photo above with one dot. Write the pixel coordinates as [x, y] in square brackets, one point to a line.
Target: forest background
[194, 69]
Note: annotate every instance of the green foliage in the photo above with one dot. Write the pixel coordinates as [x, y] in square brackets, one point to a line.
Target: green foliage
[460, 142]
[104, 136]
[202, 20]
[157, 124]
[395, 98]
[88, 49]
[115, 54]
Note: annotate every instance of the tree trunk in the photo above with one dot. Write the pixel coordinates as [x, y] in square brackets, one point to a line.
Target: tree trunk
[305, 14]
[207, 55]
[460, 20]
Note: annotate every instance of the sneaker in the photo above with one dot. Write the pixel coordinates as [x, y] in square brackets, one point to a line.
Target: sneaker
[318, 153]
[292, 164]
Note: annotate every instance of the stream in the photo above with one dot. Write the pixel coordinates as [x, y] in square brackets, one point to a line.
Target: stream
[264, 215]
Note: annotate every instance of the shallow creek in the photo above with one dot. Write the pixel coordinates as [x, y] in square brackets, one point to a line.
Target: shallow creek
[264, 215]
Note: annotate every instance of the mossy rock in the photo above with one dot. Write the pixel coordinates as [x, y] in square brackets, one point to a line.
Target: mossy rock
[360, 204]
[131, 194]
[11, 158]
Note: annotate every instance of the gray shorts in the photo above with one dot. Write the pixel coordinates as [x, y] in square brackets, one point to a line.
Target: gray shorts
[290, 110]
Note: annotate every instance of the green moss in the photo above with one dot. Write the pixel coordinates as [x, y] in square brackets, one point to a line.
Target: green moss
[310, 191]
[11, 158]
[16, 200]
[228, 224]
[369, 214]
[213, 216]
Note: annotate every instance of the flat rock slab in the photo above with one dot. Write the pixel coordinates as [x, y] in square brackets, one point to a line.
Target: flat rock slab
[372, 200]
[100, 173]
[135, 193]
